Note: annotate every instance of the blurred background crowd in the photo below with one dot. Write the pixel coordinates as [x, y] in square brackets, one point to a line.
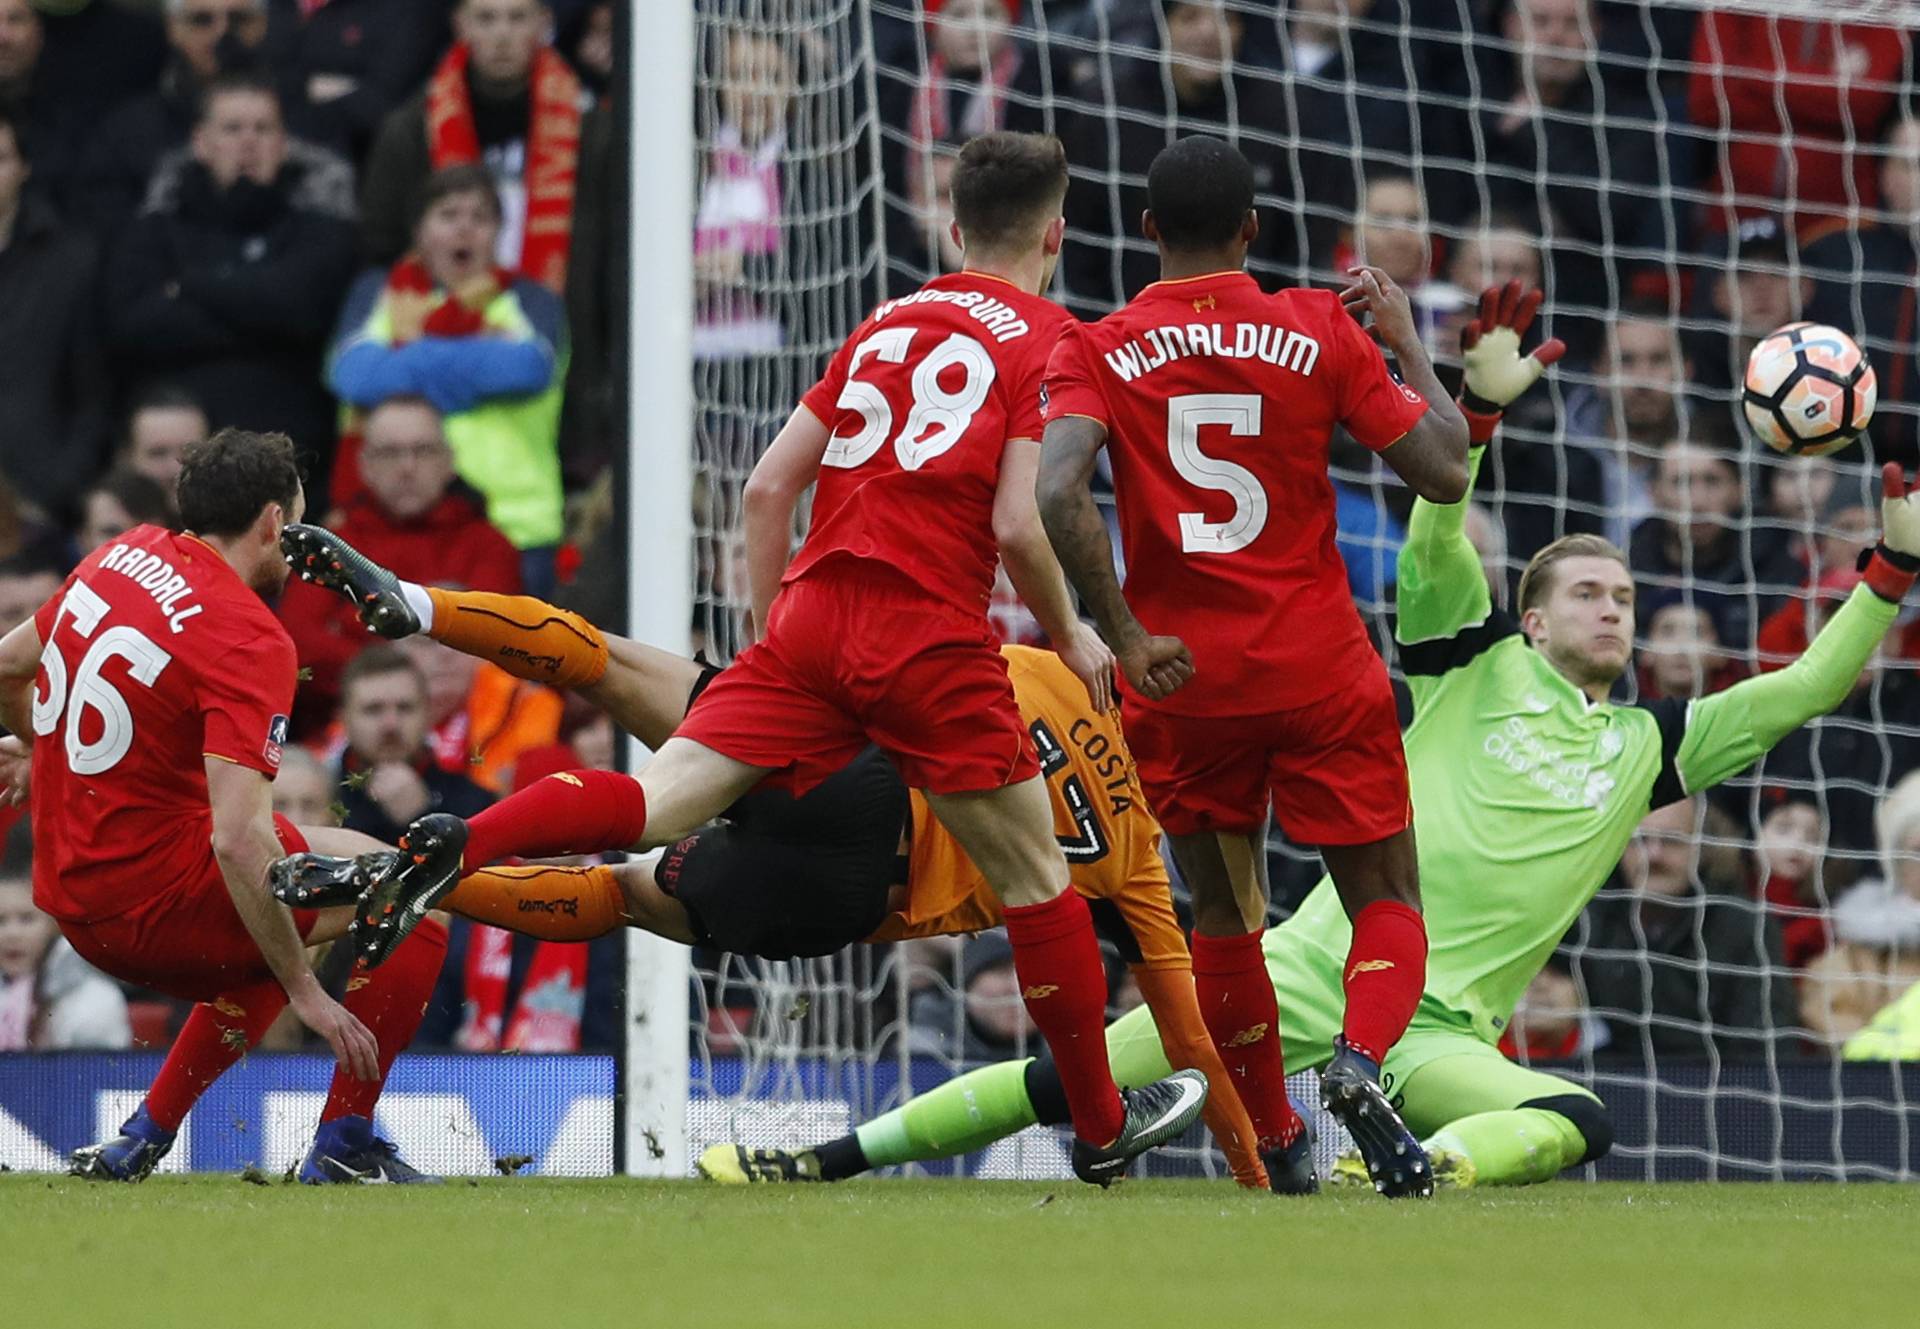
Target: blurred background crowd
[391, 228]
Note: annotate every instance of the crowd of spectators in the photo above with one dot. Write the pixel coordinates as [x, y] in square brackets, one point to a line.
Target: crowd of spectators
[365, 224]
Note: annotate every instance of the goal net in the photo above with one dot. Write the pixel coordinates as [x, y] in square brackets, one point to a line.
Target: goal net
[1679, 181]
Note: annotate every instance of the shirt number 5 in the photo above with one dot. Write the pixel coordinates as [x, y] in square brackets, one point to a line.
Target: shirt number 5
[1240, 413]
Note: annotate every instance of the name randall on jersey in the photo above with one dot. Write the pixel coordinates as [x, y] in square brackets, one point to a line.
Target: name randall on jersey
[1243, 341]
[157, 577]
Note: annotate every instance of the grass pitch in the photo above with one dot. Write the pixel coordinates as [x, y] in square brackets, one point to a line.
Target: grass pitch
[211, 1252]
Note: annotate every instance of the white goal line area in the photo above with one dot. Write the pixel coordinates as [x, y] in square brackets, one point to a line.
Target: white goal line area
[821, 131]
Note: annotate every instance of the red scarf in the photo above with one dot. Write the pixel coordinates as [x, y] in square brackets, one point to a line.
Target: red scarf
[452, 317]
[553, 994]
[553, 152]
[932, 125]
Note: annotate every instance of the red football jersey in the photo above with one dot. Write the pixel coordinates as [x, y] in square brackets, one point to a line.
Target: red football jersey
[922, 400]
[1219, 402]
[156, 655]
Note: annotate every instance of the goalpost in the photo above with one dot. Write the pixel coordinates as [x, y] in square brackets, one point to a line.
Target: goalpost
[785, 169]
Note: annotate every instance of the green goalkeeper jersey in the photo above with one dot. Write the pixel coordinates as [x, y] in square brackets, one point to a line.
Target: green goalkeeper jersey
[1525, 792]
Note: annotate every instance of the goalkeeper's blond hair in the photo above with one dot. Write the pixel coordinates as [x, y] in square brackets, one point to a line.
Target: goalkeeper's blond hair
[1536, 583]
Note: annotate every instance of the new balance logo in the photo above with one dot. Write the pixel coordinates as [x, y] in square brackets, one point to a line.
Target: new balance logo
[1367, 967]
[1248, 1037]
[1040, 990]
[566, 778]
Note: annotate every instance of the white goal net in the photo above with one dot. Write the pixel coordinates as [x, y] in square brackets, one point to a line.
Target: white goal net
[1679, 181]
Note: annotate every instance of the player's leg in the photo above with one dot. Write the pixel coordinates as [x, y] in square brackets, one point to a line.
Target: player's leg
[962, 1115]
[1339, 781]
[1008, 833]
[1489, 1122]
[390, 1001]
[1207, 782]
[643, 689]
[1235, 994]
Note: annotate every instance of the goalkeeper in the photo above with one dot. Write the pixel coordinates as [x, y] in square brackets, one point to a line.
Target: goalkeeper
[1527, 784]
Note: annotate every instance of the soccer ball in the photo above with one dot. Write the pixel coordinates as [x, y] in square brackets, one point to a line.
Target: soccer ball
[1809, 390]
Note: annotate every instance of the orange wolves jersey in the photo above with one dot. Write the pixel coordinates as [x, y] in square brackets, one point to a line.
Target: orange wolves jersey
[1111, 840]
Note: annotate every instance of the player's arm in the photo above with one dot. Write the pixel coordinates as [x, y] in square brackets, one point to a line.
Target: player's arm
[1157, 666]
[245, 845]
[1432, 455]
[779, 478]
[1720, 735]
[1036, 575]
[19, 664]
[1442, 589]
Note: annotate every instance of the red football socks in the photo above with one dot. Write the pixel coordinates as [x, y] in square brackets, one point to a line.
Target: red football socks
[1386, 970]
[572, 812]
[390, 1001]
[1064, 985]
[1243, 1017]
[216, 1035]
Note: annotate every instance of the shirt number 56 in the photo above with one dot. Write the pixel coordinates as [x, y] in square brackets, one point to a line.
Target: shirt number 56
[89, 691]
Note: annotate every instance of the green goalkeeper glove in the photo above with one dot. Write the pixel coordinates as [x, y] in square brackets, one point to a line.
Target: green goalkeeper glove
[1490, 345]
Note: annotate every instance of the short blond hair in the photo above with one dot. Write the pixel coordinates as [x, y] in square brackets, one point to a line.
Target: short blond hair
[1536, 583]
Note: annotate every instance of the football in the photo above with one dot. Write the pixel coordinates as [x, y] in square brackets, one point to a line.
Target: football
[1809, 390]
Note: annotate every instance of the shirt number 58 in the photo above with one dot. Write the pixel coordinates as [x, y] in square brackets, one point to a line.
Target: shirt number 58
[1240, 413]
[89, 691]
[938, 417]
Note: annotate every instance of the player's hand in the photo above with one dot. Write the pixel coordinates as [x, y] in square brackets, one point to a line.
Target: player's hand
[1490, 347]
[16, 771]
[399, 791]
[353, 1044]
[1156, 667]
[1092, 663]
[1374, 292]
[1899, 515]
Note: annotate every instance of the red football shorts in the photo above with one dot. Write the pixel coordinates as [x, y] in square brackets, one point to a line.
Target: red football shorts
[187, 941]
[1335, 770]
[858, 657]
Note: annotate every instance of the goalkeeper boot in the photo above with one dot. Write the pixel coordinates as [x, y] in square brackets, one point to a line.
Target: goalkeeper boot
[323, 558]
[129, 1156]
[320, 881]
[346, 1152]
[737, 1165]
[423, 873]
[1452, 1170]
[1350, 1090]
[1154, 1114]
[1290, 1168]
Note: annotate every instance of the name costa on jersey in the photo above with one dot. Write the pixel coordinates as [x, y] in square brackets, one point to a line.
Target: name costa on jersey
[1001, 321]
[1154, 347]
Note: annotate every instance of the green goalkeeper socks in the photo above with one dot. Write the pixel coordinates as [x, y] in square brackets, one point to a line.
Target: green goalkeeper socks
[966, 1113]
[1513, 1148]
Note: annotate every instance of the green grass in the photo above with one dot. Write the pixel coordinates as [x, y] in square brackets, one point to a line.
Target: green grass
[211, 1252]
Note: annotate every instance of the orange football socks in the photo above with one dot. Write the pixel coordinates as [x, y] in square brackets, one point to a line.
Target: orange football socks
[528, 638]
[553, 904]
